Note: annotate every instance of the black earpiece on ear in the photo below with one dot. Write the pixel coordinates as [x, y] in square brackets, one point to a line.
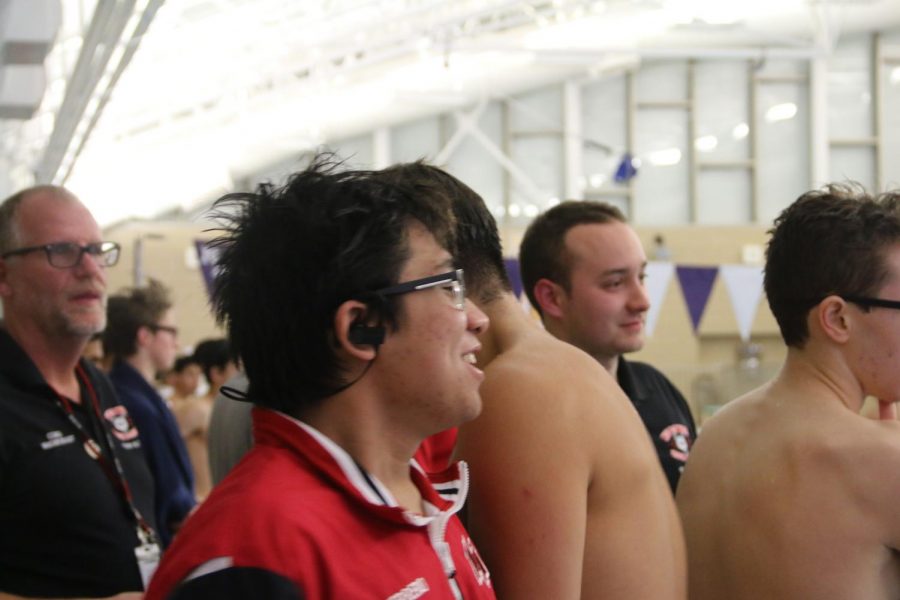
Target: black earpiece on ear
[366, 335]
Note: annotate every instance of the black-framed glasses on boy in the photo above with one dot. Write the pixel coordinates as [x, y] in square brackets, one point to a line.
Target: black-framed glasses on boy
[167, 328]
[65, 255]
[866, 302]
[452, 281]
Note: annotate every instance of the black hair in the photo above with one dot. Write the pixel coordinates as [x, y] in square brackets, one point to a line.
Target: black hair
[291, 255]
[183, 362]
[212, 353]
[478, 248]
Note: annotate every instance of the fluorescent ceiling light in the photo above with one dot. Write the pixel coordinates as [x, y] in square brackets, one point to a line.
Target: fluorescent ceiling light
[664, 158]
[781, 112]
[706, 143]
[597, 180]
[740, 131]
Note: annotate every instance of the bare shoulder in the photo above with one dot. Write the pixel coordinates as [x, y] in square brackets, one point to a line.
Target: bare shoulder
[884, 476]
[734, 448]
[739, 422]
[557, 395]
[548, 380]
[192, 414]
[861, 457]
[868, 449]
[845, 439]
[835, 444]
[522, 388]
[551, 423]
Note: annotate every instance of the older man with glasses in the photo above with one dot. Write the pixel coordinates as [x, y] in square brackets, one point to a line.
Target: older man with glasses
[76, 497]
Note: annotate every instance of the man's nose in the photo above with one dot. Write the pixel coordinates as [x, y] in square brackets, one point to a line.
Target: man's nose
[639, 301]
[477, 321]
[89, 264]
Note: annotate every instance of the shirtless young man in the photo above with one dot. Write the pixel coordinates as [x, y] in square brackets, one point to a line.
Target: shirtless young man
[567, 497]
[789, 492]
[212, 358]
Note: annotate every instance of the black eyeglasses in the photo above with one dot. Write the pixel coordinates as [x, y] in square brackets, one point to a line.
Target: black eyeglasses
[452, 281]
[870, 302]
[65, 255]
[167, 328]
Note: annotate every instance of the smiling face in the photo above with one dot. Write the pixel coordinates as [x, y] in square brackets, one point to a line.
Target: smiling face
[427, 363]
[603, 310]
[57, 302]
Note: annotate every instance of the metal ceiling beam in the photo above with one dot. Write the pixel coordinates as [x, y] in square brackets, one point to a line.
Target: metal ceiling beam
[131, 47]
[104, 33]
[344, 54]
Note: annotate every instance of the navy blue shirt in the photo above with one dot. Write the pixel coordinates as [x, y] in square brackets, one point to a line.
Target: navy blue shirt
[164, 448]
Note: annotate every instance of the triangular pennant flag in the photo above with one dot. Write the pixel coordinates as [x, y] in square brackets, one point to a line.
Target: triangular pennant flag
[745, 287]
[627, 168]
[696, 285]
[659, 275]
[515, 276]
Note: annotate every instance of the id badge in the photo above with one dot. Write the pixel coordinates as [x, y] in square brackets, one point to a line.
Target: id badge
[147, 555]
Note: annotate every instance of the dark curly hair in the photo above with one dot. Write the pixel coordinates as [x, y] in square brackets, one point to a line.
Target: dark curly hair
[829, 241]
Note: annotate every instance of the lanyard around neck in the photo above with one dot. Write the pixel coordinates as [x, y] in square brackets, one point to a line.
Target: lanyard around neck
[111, 465]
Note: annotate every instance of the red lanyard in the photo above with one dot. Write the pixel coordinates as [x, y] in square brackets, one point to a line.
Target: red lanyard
[111, 468]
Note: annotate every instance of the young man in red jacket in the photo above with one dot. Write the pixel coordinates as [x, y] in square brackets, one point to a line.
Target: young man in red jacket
[341, 298]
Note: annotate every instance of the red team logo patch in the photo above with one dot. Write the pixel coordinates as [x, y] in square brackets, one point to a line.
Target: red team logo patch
[482, 575]
[122, 425]
[678, 438]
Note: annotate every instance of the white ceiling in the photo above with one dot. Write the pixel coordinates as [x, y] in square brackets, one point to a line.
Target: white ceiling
[217, 89]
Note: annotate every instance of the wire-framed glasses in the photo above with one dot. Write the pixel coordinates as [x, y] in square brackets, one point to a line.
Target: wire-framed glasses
[65, 255]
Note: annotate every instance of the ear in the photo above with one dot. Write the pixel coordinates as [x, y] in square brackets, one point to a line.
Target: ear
[833, 317]
[144, 336]
[352, 312]
[550, 296]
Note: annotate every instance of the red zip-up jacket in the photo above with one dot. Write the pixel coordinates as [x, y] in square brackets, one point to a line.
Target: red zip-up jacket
[298, 518]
